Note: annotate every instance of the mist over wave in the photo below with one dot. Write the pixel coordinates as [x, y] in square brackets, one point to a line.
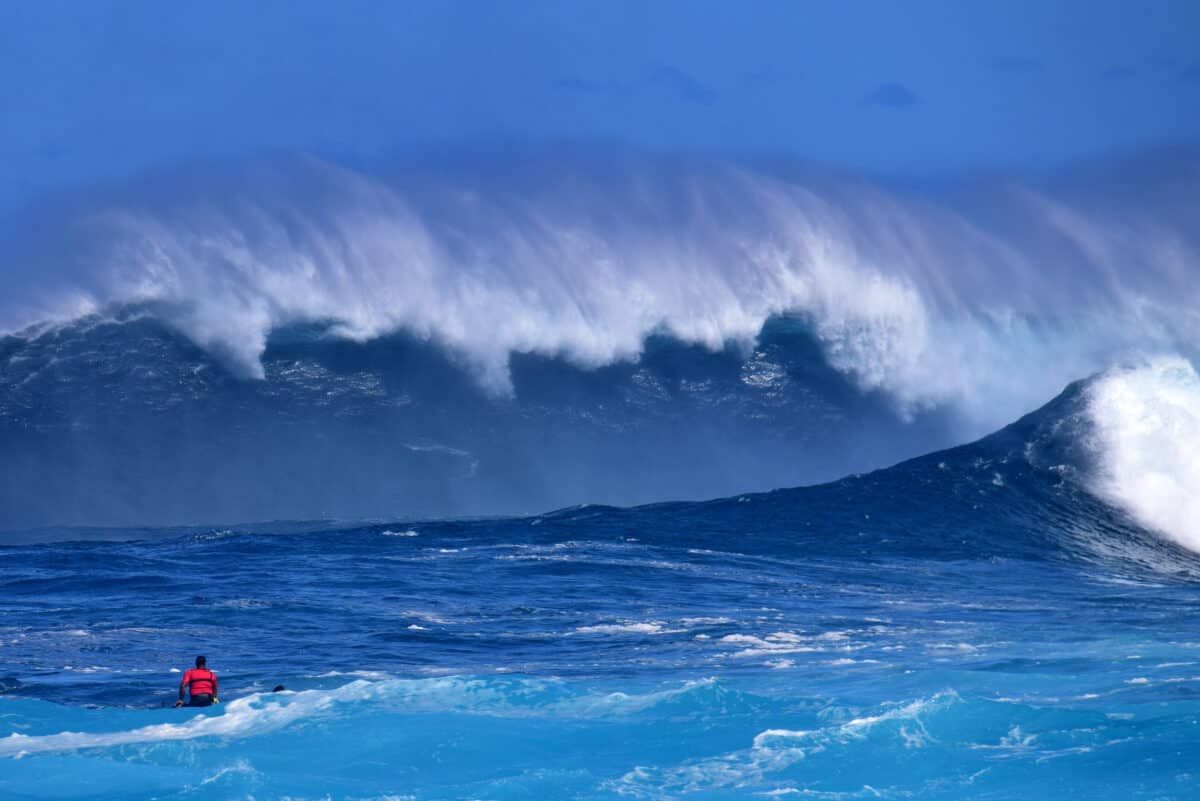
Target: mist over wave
[505, 334]
[988, 297]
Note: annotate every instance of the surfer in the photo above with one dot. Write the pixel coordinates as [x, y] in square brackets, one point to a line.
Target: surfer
[200, 683]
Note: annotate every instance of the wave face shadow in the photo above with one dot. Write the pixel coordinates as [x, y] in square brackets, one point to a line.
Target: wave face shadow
[122, 421]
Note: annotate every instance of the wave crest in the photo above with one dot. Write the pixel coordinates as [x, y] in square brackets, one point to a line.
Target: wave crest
[1146, 420]
[990, 304]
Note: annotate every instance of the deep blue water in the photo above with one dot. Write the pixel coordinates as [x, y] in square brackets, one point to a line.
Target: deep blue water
[969, 625]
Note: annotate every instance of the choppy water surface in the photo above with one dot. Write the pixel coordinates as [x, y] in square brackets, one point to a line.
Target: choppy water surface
[1011, 619]
[927, 632]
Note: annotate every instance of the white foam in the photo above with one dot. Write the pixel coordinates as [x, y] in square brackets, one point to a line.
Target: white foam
[264, 713]
[629, 627]
[1147, 438]
[240, 767]
[775, 750]
[425, 615]
[239, 718]
[787, 642]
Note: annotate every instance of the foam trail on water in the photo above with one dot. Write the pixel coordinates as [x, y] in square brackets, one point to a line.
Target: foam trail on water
[242, 717]
[1147, 435]
[774, 751]
[264, 713]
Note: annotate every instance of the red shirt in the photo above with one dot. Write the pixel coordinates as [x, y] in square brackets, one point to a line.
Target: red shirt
[199, 681]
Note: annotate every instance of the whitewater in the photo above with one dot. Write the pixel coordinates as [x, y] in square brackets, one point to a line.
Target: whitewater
[307, 419]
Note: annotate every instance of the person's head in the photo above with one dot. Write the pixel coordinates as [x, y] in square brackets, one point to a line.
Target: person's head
[201, 662]
[279, 688]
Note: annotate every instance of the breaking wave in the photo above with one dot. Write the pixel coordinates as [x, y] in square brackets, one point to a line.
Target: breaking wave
[1146, 421]
[508, 336]
[987, 298]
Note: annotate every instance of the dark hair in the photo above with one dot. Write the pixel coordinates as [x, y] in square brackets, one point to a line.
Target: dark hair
[201, 661]
[279, 688]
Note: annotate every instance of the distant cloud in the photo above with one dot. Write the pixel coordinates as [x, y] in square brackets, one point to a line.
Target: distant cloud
[1015, 64]
[682, 85]
[894, 95]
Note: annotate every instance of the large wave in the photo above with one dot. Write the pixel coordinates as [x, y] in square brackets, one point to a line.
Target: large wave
[295, 338]
[988, 297]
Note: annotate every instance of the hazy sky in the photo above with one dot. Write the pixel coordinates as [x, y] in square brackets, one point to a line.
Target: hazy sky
[105, 90]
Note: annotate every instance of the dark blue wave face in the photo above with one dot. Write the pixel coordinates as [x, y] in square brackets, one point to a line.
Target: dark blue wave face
[118, 423]
[969, 625]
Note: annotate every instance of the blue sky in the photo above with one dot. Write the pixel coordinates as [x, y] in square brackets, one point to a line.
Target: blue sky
[93, 91]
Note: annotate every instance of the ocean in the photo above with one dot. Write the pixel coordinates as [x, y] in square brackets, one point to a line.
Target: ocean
[775, 569]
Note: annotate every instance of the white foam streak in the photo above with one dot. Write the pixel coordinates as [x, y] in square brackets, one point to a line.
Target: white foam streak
[773, 751]
[240, 718]
[649, 627]
[264, 713]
